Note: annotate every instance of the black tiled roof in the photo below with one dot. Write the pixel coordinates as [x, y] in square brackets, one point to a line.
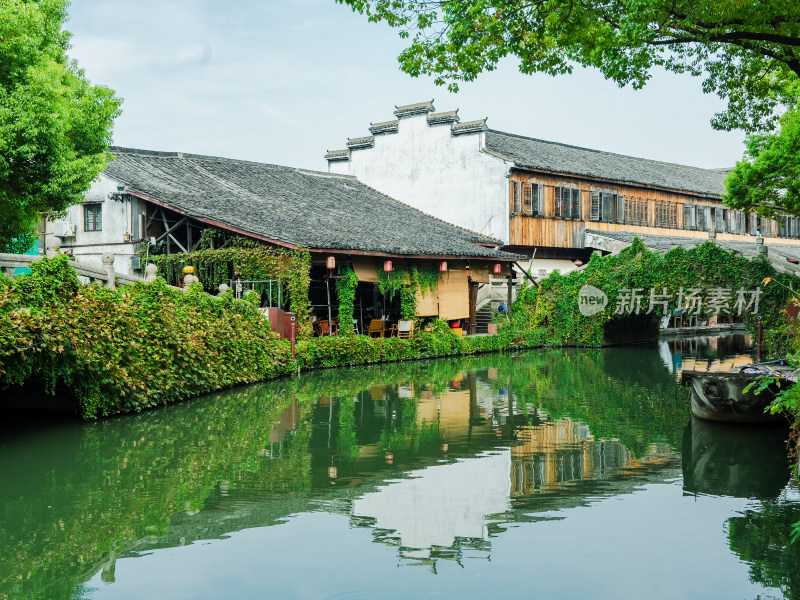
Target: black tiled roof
[530, 153]
[291, 206]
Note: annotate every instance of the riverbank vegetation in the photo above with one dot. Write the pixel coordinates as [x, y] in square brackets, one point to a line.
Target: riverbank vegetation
[114, 351]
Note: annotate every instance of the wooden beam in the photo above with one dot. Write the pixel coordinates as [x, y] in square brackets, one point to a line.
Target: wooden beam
[528, 275]
[170, 229]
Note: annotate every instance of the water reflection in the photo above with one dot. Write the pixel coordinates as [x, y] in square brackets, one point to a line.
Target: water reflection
[746, 461]
[435, 459]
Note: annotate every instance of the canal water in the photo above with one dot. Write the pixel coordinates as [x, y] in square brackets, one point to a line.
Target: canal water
[549, 474]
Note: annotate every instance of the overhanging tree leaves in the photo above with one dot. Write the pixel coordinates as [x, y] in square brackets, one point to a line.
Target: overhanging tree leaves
[768, 179]
[55, 126]
[748, 51]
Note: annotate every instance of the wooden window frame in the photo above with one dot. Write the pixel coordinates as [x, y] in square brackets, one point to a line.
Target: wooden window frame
[527, 198]
[95, 209]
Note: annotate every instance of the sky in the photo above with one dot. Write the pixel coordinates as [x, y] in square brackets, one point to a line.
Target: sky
[283, 81]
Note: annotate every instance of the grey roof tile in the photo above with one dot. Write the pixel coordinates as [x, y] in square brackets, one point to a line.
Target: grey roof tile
[384, 127]
[442, 118]
[531, 153]
[361, 142]
[337, 155]
[409, 110]
[469, 127]
[291, 206]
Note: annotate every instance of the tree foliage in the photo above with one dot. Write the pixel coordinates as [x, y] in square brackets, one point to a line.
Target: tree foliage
[748, 51]
[768, 178]
[54, 125]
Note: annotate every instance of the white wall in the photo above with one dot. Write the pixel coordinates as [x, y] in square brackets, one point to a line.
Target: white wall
[444, 175]
[119, 218]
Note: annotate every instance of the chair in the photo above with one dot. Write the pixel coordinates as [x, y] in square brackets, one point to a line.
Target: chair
[376, 328]
[405, 329]
[326, 328]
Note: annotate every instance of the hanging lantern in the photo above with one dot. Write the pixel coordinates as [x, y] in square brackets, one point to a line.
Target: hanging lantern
[498, 268]
[330, 262]
[578, 263]
[387, 266]
[445, 446]
[443, 266]
[389, 458]
[333, 472]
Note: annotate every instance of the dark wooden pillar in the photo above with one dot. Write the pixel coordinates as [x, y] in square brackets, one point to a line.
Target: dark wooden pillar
[510, 293]
[473, 305]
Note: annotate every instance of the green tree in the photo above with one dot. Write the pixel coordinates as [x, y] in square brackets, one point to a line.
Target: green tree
[767, 180]
[748, 50]
[55, 126]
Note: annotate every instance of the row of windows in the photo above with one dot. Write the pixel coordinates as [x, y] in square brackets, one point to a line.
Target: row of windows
[611, 207]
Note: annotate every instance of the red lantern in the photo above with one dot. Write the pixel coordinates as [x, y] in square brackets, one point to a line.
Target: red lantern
[497, 269]
[443, 266]
[578, 263]
[387, 266]
[330, 262]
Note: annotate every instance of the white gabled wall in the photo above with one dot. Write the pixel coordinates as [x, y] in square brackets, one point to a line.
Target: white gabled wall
[447, 176]
[119, 217]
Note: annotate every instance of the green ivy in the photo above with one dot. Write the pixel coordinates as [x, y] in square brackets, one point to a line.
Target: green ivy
[248, 260]
[553, 306]
[346, 291]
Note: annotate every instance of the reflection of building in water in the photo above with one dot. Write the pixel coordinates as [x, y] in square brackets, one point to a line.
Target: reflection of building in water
[559, 452]
[707, 353]
[466, 458]
[286, 424]
[437, 505]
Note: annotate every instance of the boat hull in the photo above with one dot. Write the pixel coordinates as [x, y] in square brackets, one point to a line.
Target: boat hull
[722, 397]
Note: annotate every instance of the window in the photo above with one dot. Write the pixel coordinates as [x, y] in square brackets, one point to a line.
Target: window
[516, 197]
[666, 214]
[568, 202]
[92, 217]
[608, 207]
[533, 199]
[719, 220]
[527, 198]
[634, 211]
[688, 216]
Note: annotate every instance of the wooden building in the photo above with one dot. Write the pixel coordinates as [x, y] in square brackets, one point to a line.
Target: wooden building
[540, 196]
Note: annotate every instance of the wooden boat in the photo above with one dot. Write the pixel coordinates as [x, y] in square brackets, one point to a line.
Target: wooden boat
[721, 396]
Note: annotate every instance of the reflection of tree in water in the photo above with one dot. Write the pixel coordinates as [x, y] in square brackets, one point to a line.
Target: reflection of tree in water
[164, 478]
[760, 537]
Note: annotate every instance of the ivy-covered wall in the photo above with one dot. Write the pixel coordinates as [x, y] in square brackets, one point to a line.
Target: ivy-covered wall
[552, 311]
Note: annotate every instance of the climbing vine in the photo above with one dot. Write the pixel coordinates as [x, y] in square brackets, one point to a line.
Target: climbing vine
[407, 282]
[552, 310]
[346, 291]
[245, 259]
